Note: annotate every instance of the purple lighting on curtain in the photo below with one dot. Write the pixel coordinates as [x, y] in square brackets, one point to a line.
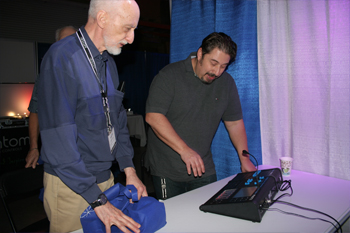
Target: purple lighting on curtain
[304, 84]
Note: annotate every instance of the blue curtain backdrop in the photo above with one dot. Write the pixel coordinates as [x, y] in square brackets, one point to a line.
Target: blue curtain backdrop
[192, 21]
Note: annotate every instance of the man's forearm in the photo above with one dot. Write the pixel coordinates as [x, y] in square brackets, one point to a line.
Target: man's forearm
[165, 131]
[33, 130]
[238, 136]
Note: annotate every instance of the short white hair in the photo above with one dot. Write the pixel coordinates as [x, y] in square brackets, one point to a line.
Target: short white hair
[97, 5]
[112, 7]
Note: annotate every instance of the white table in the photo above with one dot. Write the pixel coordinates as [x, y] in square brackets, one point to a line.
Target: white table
[322, 193]
[325, 194]
[137, 128]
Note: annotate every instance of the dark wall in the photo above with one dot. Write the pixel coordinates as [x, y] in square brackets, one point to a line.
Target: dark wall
[138, 69]
[37, 20]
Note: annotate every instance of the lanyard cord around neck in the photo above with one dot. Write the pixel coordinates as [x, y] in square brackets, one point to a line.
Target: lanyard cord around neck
[93, 66]
[91, 61]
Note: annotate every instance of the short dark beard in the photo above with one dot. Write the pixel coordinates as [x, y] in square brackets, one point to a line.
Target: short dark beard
[206, 83]
[201, 78]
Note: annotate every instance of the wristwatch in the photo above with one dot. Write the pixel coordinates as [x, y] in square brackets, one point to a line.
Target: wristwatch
[101, 200]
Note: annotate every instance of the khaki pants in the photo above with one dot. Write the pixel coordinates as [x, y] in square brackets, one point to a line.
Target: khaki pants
[63, 206]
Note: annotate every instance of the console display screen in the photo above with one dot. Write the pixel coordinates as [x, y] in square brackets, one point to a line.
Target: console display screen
[225, 194]
[245, 192]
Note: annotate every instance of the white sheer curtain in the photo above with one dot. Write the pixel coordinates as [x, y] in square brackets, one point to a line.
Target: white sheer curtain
[304, 69]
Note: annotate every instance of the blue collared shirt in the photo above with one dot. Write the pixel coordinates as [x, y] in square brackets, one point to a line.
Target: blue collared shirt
[72, 122]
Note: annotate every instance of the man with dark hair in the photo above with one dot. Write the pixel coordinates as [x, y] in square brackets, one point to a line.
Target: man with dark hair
[82, 120]
[221, 41]
[186, 102]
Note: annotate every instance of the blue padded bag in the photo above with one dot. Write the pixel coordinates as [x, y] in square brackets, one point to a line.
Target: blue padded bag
[147, 211]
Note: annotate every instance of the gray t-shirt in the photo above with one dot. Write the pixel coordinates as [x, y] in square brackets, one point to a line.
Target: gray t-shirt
[194, 109]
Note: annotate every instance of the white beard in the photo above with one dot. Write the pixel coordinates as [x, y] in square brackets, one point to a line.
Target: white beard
[114, 50]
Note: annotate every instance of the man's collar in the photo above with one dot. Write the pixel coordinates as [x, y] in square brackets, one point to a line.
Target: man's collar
[189, 62]
[92, 47]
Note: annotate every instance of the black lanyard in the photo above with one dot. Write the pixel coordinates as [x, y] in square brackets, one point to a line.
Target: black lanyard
[94, 69]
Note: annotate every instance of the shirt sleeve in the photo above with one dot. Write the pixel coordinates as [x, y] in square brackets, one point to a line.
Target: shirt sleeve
[234, 110]
[125, 151]
[161, 93]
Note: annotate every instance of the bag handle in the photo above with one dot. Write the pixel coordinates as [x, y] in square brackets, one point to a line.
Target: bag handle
[133, 194]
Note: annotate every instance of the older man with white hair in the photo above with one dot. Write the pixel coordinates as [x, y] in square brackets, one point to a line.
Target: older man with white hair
[82, 119]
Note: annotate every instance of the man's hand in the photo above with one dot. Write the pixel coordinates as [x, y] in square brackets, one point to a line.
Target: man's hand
[193, 162]
[247, 165]
[132, 178]
[110, 216]
[32, 158]
[165, 132]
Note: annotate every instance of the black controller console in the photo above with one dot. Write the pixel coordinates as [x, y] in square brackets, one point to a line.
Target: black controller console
[245, 195]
